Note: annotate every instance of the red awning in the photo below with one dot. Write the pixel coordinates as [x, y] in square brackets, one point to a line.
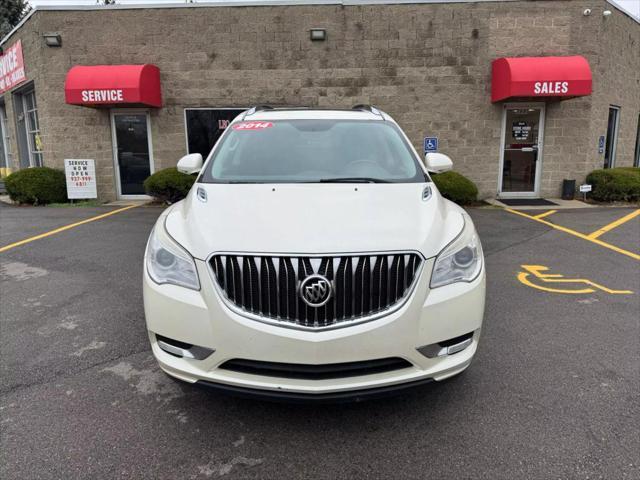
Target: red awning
[109, 85]
[540, 77]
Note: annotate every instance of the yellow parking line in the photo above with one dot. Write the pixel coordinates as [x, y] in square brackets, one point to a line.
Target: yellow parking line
[62, 229]
[545, 214]
[615, 224]
[635, 256]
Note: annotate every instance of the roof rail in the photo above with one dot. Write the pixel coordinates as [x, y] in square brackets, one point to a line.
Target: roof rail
[257, 108]
[368, 108]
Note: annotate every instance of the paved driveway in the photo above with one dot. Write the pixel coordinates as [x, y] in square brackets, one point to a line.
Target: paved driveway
[553, 391]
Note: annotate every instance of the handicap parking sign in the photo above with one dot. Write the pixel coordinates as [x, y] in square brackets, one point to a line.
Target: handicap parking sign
[430, 144]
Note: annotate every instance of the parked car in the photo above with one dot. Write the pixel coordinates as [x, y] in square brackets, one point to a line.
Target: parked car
[314, 258]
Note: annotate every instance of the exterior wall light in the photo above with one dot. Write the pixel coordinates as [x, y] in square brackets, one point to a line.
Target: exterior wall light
[606, 13]
[52, 39]
[318, 34]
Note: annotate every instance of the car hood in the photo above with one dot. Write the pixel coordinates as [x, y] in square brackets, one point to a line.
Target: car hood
[313, 219]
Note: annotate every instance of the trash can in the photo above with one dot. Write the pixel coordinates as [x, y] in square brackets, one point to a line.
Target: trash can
[568, 189]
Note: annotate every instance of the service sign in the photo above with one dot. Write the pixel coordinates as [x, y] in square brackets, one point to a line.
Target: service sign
[12, 67]
[81, 178]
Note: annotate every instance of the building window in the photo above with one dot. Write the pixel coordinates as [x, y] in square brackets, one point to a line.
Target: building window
[5, 146]
[33, 128]
[636, 158]
[205, 125]
[612, 137]
[28, 128]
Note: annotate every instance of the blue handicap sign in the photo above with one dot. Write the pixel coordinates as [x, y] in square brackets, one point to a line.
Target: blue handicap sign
[430, 144]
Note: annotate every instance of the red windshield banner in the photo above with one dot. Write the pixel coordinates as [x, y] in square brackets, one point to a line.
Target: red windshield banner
[12, 67]
[252, 125]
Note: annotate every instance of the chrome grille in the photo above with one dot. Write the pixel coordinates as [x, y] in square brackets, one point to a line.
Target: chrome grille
[266, 287]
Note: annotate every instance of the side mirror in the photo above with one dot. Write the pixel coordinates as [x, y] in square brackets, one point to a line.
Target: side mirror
[437, 162]
[190, 164]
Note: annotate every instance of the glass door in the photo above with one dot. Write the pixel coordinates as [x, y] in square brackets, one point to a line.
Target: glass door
[612, 137]
[522, 132]
[132, 152]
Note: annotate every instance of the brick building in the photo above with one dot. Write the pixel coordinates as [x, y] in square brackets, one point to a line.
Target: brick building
[152, 83]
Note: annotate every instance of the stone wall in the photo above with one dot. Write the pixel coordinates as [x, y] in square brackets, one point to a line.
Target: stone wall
[428, 65]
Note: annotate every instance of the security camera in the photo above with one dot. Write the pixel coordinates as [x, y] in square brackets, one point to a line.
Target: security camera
[587, 12]
[606, 13]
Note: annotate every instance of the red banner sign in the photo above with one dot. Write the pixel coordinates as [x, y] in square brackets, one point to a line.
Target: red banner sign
[524, 77]
[12, 67]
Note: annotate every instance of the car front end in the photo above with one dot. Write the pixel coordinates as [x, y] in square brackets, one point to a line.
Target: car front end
[312, 291]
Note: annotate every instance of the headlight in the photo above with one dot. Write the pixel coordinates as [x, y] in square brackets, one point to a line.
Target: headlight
[167, 262]
[461, 260]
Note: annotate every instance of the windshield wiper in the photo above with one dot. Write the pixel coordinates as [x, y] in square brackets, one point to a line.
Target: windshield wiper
[353, 180]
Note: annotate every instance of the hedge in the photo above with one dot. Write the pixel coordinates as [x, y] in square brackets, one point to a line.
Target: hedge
[456, 187]
[37, 186]
[169, 185]
[615, 184]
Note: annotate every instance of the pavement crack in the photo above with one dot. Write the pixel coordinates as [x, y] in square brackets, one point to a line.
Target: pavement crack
[516, 244]
[57, 376]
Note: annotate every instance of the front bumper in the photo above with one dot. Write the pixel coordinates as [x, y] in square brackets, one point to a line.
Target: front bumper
[202, 319]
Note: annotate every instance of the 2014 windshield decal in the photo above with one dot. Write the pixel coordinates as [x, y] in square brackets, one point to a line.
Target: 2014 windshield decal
[252, 125]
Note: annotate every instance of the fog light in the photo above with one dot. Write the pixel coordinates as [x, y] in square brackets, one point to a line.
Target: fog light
[447, 347]
[182, 349]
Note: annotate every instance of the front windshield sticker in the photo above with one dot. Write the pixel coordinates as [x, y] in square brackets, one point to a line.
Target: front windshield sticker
[252, 125]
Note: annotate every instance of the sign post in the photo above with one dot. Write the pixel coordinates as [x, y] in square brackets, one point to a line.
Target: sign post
[430, 144]
[601, 144]
[81, 178]
[584, 189]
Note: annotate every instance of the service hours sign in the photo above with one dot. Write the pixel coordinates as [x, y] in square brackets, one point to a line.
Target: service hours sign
[521, 131]
[81, 178]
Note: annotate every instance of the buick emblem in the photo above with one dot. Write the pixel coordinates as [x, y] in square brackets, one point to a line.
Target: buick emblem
[315, 290]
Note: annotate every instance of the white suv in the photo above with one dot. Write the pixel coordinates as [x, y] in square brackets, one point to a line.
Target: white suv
[314, 258]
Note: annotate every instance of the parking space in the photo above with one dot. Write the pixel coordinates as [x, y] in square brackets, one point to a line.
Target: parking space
[552, 392]
[618, 226]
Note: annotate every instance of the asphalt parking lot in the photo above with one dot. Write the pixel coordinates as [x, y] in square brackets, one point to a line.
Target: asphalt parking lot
[552, 393]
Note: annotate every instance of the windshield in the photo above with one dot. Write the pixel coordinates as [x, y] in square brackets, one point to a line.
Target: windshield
[292, 151]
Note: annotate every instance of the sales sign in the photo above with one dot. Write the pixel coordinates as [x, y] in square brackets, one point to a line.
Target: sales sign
[12, 67]
[81, 178]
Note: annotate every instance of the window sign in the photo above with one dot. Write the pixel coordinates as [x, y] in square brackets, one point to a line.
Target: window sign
[12, 67]
[205, 125]
[521, 131]
[81, 178]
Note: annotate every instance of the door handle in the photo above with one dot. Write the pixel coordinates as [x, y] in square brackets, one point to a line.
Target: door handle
[527, 149]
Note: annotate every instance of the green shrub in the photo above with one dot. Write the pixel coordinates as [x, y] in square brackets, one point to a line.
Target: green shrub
[37, 186]
[456, 187]
[169, 185]
[615, 184]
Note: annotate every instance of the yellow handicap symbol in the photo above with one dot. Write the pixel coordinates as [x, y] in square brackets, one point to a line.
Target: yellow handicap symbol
[577, 285]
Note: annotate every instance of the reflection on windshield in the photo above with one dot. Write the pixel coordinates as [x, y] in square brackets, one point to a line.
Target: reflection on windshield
[313, 151]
